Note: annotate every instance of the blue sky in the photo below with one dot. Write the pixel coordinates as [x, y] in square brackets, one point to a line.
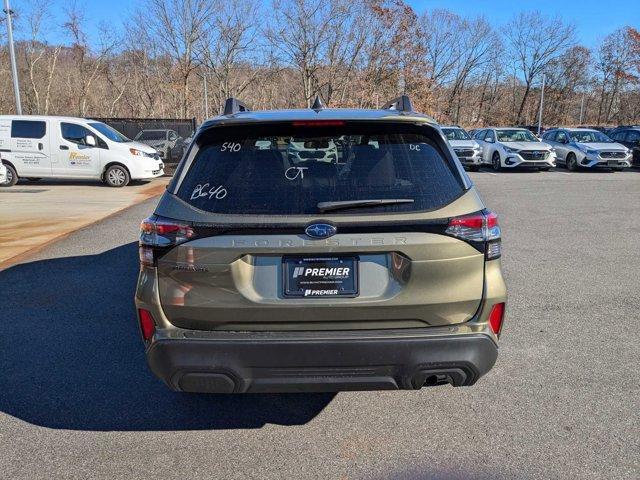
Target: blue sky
[593, 19]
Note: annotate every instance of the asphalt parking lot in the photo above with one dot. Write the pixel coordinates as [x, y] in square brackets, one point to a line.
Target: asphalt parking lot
[77, 400]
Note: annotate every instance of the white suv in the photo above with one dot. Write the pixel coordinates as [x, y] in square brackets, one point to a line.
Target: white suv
[514, 147]
[466, 149]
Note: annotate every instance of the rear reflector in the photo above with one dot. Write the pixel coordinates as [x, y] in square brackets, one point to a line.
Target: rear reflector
[495, 318]
[147, 324]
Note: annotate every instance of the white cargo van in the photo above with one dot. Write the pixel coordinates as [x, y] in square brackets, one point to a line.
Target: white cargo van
[36, 147]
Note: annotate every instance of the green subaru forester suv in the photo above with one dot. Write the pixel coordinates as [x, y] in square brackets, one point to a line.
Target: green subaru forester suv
[320, 250]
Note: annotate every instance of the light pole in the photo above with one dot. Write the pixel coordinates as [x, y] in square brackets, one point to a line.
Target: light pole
[12, 55]
[581, 109]
[541, 105]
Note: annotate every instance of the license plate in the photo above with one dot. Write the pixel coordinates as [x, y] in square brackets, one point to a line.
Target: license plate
[320, 277]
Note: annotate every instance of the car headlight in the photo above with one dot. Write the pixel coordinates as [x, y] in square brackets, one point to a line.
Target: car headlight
[592, 152]
[140, 153]
[511, 150]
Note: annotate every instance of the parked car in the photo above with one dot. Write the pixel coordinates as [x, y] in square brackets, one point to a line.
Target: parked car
[586, 148]
[467, 150]
[630, 138]
[514, 147]
[321, 150]
[167, 143]
[36, 147]
[381, 271]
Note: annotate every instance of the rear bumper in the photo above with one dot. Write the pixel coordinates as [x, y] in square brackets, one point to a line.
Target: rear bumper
[256, 362]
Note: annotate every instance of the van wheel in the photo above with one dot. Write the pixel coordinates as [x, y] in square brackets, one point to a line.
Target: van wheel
[496, 162]
[12, 177]
[116, 176]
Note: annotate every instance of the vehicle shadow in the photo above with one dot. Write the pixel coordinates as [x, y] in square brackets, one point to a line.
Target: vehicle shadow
[56, 182]
[71, 356]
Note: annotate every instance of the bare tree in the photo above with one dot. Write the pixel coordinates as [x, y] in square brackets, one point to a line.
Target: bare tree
[301, 31]
[615, 68]
[86, 63]
[179, 26]
[40, 59]
[230, 44]
[533, 41]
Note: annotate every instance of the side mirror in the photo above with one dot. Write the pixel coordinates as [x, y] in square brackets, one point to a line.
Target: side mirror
[490, 140]
[90, 140]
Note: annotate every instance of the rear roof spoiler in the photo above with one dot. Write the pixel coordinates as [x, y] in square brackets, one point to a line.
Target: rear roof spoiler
[401, 104]
[233, 105]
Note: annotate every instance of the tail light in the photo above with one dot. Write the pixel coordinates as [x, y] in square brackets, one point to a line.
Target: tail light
[157, 235]
[480, 229]
[147, 323]
[495, 318]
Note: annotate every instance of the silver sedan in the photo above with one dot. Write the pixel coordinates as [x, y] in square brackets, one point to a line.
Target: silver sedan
[586, 148]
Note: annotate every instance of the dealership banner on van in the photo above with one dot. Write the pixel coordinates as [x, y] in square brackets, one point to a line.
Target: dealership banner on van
[76, 148]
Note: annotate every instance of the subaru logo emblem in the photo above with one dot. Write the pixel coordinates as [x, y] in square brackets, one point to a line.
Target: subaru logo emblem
[321, 230]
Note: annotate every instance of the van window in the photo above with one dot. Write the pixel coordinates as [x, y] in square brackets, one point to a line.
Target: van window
[74, 133]
[28, 129]
[288, 169]
[109, 132]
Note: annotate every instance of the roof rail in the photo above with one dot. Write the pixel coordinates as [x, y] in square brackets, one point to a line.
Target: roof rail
[233, 105]
[401, 103]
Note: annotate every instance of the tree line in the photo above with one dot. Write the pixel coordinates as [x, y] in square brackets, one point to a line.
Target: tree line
[354, 53]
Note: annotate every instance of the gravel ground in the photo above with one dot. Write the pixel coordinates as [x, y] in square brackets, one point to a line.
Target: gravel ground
[77, 400]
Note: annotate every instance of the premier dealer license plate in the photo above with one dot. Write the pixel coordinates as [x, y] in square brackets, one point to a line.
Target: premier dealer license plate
[310, 277]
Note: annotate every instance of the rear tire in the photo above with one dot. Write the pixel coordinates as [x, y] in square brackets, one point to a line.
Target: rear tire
[495, 160]
[571, 162]
[116, 176]
[12, 177]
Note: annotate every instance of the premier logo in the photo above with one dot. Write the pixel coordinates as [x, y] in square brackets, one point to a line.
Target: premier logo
[321, 272]
[319, 293]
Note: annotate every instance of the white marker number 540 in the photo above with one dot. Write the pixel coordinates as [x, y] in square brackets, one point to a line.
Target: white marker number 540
[230, 147]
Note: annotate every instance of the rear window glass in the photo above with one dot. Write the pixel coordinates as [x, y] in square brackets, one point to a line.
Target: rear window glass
[28, 129]
[283, 169]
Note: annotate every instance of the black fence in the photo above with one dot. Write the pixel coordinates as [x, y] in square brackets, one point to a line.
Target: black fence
[169, 136]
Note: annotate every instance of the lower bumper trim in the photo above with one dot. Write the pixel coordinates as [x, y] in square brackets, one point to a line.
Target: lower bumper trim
[286, 364]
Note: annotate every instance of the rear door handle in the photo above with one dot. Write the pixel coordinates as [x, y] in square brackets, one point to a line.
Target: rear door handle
[40, 146]
[64, 147]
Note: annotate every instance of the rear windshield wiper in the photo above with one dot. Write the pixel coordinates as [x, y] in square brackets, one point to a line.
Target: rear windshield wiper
[328, 206]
